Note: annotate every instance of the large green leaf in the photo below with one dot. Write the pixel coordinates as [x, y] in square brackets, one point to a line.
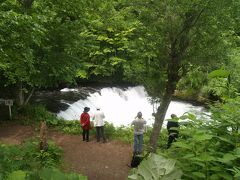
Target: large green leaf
[202, 137]
[219, 73]
[206, 157]
[183, 145]
[199, 174]
[224, 139]
[156, 167]
[227, 158]
[17, 175]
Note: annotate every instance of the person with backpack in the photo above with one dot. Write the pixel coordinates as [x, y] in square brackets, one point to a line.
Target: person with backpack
[85, 124]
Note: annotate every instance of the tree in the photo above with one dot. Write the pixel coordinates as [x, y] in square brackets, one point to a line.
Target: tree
[44, 44]
[19, 34]
[37, 39]
[106, 36]
[175, 34]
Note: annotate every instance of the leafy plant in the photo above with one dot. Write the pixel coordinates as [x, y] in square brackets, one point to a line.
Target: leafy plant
[17, 175]
[53, 173]
[209, 149]
[69, 127]
[44, 174]
[33, 114]
[156, 167]
[27, 157]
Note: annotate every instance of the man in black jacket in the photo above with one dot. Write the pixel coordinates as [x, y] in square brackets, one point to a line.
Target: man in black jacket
[172, 127]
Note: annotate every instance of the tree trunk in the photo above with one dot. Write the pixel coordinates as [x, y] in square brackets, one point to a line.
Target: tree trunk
[29, 96]
[159, 118]
[178, 46]
[173, 78]
[19, 95]
[27, 4]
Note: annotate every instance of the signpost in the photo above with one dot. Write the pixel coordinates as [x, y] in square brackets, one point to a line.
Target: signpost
[9, 103]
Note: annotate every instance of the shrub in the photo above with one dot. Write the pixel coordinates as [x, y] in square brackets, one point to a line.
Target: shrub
[210, 149]
[27, 157]
[33, 114]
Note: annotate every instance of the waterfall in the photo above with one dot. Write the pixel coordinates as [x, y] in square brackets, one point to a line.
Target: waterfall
[121, 106]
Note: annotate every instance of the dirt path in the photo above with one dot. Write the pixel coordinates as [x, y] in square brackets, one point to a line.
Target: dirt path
[98, 161]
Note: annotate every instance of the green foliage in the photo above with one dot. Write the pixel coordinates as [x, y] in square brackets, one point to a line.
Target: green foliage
[33, 114]
[27, 162]
[209, 149]
[156, 167]
[234, 66]
[17, 175]
[53, 173]
[168, 32]
[19, 34]
[69, 127]
[109, 130]
[220, 85]
[219, 73]
[44, 174]
[105, 39]
[193, 80]
[124, 134]
[27, 157]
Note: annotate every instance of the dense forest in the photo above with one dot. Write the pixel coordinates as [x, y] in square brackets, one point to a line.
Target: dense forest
[189, 49]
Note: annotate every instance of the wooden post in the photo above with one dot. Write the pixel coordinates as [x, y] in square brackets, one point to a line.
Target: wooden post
[43, 136]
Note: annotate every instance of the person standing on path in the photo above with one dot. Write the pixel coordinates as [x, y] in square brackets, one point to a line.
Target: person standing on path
[139, 127]
[85, 123]
[172, 127]
[98, 117]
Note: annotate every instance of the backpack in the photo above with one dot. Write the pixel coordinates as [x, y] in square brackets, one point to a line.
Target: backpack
[136, 160]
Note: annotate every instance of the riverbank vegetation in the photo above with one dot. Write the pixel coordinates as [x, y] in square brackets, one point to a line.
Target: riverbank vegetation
[188, 49]
[25, 161]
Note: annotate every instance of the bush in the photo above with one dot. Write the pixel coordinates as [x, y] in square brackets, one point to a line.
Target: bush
[69, 127]
[210, 149]
[44, 174]
[34, 114]
[28, 157]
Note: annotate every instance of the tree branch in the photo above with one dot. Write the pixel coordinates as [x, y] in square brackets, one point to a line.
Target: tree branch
[29, 96]
[190, 22]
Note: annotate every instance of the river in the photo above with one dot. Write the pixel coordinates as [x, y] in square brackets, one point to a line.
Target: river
[120, 105]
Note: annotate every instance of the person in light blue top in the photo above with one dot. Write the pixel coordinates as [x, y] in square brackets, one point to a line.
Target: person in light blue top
[139, 128]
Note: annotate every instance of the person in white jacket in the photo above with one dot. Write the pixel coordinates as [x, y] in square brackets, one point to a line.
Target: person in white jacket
[98, 118]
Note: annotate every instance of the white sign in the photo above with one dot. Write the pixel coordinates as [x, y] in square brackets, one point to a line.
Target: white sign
[8, 102]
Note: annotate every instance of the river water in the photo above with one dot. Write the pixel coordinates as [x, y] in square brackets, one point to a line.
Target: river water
[120, 105]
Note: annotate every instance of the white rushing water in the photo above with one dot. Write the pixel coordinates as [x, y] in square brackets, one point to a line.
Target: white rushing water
[121, 106]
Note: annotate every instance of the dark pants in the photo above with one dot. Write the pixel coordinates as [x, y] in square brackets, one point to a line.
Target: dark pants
[100, 133]
[171, 138]
[85, 135]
